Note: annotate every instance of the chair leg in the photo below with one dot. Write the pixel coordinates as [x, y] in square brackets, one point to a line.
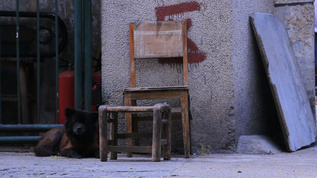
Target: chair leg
[128, 117]
[114, 132]
[185, 121]
[156, 141]
[103, 140]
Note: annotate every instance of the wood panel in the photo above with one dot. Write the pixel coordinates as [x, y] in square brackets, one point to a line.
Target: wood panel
[161, 39]
[291, 100]
[155, 94]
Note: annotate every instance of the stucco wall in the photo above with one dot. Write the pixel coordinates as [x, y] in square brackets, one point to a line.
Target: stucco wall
[229, 91]
[253, 109]
[224, 76]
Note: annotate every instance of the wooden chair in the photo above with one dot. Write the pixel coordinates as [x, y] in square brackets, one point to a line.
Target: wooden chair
[161, 135]
[159, 40]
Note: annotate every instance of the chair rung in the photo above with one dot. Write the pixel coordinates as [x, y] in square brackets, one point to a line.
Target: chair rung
[134, 149]
[150, 118]
[134, 135]
[130, 108]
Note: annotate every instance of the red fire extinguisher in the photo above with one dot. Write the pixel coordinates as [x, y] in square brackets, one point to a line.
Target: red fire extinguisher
[97, 76]
[95, 90]
[66, 92]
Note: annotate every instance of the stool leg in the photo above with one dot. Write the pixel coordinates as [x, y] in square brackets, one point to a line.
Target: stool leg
[114, 132]
[103, 140]
[168, 135]
[156, 141]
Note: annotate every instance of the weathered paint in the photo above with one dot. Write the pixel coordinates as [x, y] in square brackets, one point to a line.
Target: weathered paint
[162, 12]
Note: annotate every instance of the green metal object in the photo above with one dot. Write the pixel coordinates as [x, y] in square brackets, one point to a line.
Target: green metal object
[88, 62]
[38, 59]
[25, 128]
[22, 128]
[0, 82]
[28, 127]
[78, 54]
[19, 139]
[56, 61]
[18, 61]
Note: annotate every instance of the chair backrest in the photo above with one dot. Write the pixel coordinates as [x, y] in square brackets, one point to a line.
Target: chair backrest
[158, 40]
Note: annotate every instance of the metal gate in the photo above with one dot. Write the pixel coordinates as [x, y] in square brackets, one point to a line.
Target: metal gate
[27, 39]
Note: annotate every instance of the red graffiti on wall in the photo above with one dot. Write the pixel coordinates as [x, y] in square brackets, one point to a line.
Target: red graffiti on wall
[194, 54]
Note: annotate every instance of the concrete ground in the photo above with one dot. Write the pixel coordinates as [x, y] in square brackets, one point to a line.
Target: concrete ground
[303, 163]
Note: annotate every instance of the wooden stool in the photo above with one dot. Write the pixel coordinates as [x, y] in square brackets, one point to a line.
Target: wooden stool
[161, 135]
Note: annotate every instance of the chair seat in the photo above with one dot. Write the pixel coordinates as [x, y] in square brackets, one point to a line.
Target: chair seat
[155, 89]
[155, 92]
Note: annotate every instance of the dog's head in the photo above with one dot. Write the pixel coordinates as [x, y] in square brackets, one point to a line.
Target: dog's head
[80, 123]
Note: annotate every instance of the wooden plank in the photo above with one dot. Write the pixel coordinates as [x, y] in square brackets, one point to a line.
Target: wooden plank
[291, 100]
[103, 140]
[134, 149]
[134, 135]
[150, 118]
[163, 88]
[156, 95]
[128, 116]
[185, 60]
[157, 132]
[185, 121]
[114, 134]
[129, 108]
[132, 66]
[168, 137]
[160, 39]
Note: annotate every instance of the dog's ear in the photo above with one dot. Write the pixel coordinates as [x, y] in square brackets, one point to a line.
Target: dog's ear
[69, 112]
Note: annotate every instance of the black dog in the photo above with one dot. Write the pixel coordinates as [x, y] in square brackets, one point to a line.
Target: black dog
[78, 138]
